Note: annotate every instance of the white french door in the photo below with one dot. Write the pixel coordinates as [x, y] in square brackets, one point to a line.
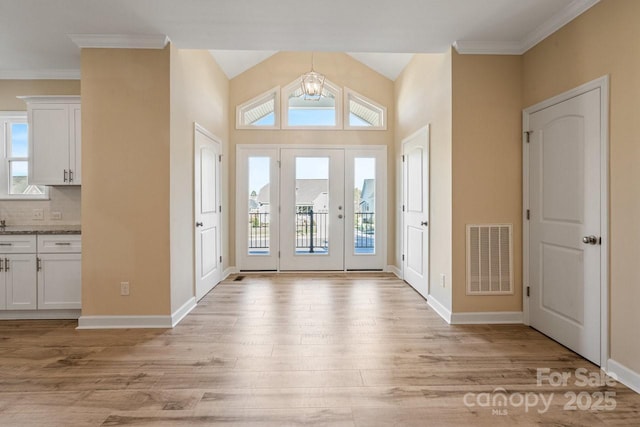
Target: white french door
[311, 208]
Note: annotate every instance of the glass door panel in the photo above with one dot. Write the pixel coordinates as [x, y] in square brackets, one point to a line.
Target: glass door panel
[365, 225]
[257, 183]
[312, 206]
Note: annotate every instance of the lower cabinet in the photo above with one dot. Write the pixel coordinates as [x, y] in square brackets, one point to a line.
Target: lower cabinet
[59, 277]
[17, 279]
[42, 273]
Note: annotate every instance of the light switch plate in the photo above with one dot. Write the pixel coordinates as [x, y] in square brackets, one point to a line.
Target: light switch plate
[56, 215]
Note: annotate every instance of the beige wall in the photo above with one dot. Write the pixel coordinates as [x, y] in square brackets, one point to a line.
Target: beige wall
[487, 164]
[605, 40]
[199, 93]
[423, 97]
[341, 69]
[125, 182]
[65, 200]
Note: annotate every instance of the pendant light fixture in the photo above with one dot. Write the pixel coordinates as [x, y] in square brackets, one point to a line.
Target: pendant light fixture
[312, 84]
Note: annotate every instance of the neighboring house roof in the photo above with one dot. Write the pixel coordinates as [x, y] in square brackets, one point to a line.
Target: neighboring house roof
[368, 190]
[307, 190]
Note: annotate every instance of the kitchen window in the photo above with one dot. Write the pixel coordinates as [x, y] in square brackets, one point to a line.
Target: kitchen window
[14, 167]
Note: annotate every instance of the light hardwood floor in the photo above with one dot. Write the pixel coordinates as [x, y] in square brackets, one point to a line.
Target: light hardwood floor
[294, 349]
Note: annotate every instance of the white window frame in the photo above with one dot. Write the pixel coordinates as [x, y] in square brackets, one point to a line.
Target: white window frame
[350, 94]
[6, 118]
[291, 87]
[252, 103]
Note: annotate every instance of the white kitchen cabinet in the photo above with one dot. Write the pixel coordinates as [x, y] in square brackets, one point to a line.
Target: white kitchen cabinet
[55, 142]
[59, 272]
[18, 273]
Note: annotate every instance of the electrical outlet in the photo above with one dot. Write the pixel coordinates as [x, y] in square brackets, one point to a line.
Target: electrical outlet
[124, 288]
[443, 280]
[56, 215]
[38, 214]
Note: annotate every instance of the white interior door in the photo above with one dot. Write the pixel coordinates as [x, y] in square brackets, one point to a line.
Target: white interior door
[207, 211]
[564, 227]
[415, 165]
[312, 209]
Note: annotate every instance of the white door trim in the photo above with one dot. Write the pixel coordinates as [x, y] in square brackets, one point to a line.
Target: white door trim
[603, 84]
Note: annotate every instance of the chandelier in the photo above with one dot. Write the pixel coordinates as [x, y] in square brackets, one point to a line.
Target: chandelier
[312, 84]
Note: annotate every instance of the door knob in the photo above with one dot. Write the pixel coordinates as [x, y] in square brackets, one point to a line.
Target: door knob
[199, 224]
[590, 240]
[425, 223]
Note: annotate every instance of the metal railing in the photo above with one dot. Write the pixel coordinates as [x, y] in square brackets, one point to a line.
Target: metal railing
[258, 230]
[312, 230]
[364, 224]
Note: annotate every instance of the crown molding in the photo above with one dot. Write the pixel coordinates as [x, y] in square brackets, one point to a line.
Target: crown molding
[487, 48]
[550, 26]
[120, 41]
[45, 74]
[557, 21]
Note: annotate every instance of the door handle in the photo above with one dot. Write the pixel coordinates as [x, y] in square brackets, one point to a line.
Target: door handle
[424, 223]
[65, 175]
[199, 224]
[590, 240]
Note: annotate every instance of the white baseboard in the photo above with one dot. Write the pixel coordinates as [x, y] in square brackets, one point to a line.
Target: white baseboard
[39, 314]
[182, 312]
[443, 311]
[395, 270]
[229, 271]
[625, 375]
[487, 318]
[124, 322]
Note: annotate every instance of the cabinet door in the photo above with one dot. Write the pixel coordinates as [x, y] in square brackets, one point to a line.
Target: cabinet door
[59, 281]
[49, 144]
[3, 285]
[20, 281]
[75, 144]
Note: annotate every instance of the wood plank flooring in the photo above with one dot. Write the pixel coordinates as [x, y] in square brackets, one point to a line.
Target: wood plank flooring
[297, 349]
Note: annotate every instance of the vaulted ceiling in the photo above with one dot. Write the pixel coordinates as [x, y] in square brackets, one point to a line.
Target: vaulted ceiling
[34, 41]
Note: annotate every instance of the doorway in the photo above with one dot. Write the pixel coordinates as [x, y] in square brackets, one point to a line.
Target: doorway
[565, 224]
[319, 208]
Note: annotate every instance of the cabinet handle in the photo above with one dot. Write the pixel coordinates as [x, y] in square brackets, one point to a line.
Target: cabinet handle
[63, 243]
[65, 175]
[38, 264]
[6, 244]
[1, 270]
[70, 175]
[6, 264]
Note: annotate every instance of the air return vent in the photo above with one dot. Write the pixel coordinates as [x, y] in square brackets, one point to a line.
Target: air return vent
[489, 259]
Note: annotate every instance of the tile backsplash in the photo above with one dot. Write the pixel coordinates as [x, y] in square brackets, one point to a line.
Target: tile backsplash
[65, 200]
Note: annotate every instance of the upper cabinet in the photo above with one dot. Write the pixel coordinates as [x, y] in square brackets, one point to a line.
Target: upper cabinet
[54, 140]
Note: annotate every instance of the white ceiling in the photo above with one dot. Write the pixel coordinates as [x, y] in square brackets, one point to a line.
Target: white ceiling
[34, 38]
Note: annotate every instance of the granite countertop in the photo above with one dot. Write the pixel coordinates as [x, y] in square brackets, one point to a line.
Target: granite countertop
[40, 229]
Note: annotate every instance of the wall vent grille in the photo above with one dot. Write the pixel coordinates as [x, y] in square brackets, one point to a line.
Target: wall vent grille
[489, 259]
